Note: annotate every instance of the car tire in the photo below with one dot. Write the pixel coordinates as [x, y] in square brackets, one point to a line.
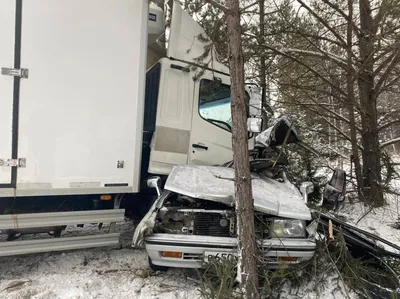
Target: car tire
[156, 268]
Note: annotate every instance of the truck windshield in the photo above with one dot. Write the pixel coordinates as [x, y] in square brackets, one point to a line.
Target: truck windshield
[215, 103]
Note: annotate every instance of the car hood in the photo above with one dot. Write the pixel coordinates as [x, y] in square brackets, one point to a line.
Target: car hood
[214, 183]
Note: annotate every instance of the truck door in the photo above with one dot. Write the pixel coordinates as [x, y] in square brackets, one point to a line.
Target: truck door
[211, 138]
[10, 26]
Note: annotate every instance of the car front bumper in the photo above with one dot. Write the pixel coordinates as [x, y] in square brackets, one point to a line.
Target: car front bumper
[194, 249]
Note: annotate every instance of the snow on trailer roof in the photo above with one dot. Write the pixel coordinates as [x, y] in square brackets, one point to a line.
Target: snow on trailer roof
[216, 183]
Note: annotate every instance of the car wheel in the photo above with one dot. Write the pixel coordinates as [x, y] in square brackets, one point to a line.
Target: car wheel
[156, 268]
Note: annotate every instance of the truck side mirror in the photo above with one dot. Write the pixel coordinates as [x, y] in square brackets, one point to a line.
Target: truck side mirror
[155, 182]
[306, 188]
[254, 124]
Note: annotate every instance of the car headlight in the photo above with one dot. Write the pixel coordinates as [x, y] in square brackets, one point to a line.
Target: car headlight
[282, 228]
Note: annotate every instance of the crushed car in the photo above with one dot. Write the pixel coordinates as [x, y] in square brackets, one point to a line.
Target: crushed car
[193, 219]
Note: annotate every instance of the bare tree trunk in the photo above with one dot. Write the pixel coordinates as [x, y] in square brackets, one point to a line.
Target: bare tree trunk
[352, 102]
[247, 268]
[371, 152]
[263, 67]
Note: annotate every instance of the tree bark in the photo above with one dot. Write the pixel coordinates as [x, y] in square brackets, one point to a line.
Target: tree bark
[352, 102]
[371, 152]
[263, 67]
[247, 266]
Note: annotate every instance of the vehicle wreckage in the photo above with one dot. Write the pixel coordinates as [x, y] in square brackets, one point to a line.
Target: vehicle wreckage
[193, 219]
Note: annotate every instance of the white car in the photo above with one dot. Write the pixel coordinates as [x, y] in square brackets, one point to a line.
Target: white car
[193, 219]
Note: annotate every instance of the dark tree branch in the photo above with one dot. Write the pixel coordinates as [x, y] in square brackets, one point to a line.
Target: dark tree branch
[388, 125]
[323, 78]
[391, 66]
[388, 85]
[385, 62]
[217, 5]
[323, 22]
[356, 29]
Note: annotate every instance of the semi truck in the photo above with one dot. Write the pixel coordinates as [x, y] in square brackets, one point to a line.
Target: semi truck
[84, 124]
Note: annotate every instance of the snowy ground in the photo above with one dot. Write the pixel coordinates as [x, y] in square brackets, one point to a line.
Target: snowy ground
[108, 273]
[92, 273]
[381, 221]
[124, 273]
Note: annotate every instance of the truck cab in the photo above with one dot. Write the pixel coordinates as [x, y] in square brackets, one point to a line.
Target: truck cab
[187, 114]
[187, 121]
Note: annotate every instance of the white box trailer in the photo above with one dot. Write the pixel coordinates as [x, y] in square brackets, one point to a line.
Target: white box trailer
[72, 119]
[72, 97]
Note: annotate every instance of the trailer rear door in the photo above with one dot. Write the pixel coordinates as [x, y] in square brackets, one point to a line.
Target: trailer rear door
[9, 91]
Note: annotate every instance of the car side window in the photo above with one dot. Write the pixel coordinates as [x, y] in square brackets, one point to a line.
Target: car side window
[215, 103]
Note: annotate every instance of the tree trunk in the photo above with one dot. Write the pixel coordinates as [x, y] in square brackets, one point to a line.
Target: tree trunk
[247, 266]
[352, 102]
[263, 67]
[371, 152]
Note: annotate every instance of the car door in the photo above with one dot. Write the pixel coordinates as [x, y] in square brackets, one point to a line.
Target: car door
[211, 138]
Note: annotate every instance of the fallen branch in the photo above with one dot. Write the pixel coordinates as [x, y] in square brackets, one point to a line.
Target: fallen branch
[369, 211]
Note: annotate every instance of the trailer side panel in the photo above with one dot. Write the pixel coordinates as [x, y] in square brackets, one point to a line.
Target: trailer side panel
[81, 109]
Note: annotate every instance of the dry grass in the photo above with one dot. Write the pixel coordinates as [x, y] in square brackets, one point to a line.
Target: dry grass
[332, 267]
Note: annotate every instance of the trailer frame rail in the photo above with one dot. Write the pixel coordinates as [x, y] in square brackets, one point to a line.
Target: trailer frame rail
[38, 221]
[58, 244]
[19, 221]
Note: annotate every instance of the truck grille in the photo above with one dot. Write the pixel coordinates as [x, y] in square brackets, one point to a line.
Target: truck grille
[215, 225]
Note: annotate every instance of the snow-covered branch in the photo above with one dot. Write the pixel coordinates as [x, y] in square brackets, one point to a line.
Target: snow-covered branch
[323, 54]
[388, 124]
[386, 116]
[218, 5]
[390, 142]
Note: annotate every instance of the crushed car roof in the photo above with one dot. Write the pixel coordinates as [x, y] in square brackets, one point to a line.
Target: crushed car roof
[276, 134]
[217, 184]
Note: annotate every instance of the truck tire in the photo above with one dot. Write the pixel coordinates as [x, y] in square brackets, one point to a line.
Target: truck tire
[146, 204]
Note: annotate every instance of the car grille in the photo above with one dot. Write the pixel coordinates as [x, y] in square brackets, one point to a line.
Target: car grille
[192, 256]
[215, 225]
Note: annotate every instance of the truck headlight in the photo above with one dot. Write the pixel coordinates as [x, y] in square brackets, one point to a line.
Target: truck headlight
[283, 228]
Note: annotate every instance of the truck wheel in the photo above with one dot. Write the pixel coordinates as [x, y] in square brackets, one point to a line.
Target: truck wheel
[156, 268]
[145, 205]
[11, 236]
[57, 233]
